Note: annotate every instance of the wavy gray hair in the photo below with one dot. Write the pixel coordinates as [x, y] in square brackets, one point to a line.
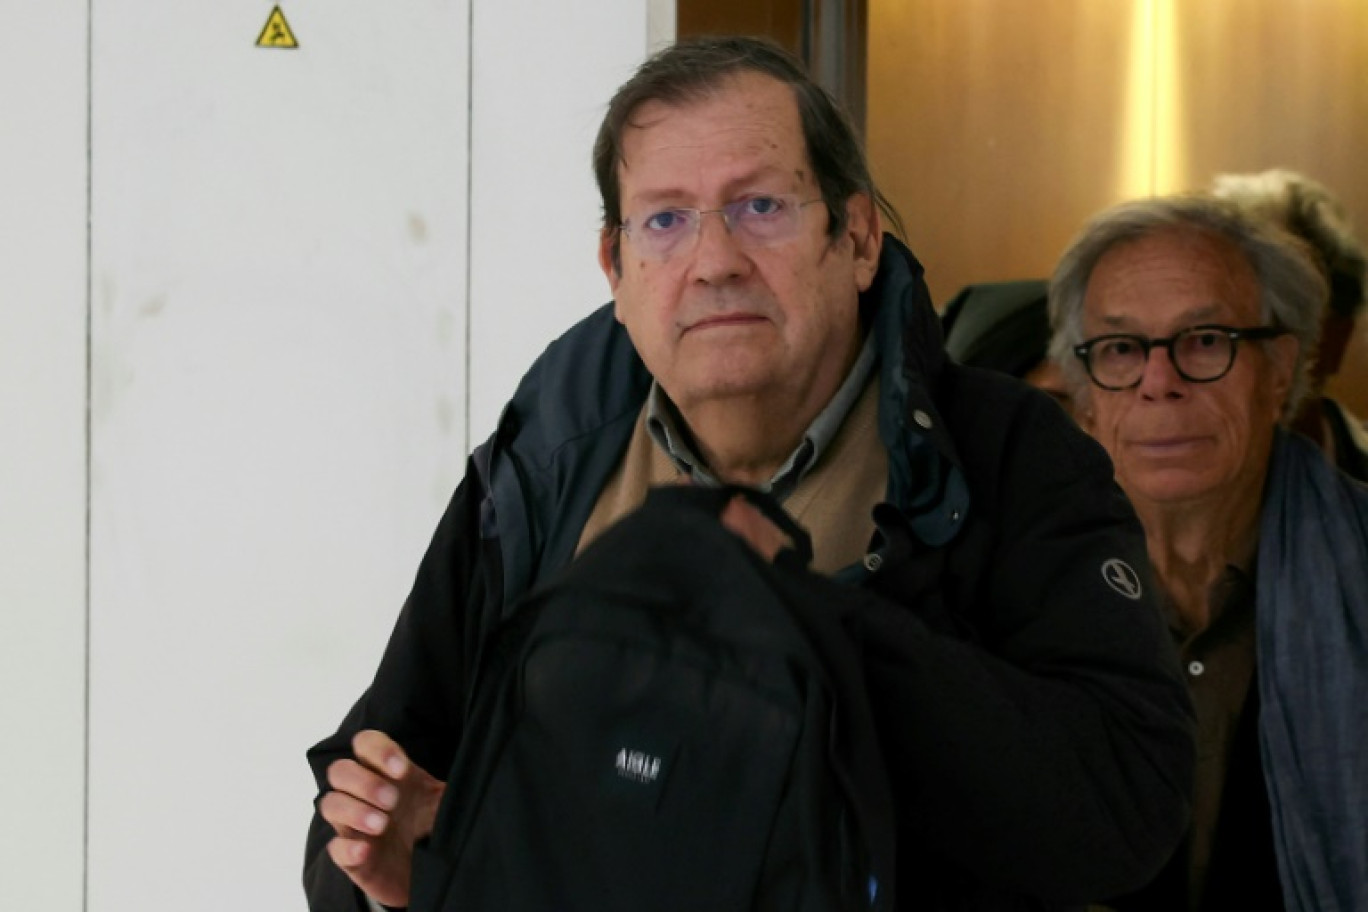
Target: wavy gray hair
[1292, 290]
[1311, 212]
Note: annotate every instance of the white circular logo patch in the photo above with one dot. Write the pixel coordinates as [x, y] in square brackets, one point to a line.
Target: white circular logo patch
[1122, 578]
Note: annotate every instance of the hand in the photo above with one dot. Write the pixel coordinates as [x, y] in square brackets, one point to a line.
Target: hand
[381, 804]
[744, 519]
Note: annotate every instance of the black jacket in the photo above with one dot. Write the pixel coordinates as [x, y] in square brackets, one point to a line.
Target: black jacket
[1034, 717]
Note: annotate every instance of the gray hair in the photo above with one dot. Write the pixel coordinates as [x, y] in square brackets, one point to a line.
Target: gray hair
[1305, 208]
[1292, 291]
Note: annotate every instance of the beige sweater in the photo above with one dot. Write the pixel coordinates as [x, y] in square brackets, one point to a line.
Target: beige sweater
[833, 501]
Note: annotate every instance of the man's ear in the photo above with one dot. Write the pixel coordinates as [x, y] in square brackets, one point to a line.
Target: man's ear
[1083, 414]
[1282, 356]
[1337, 331]
[610, 257]
[864, 227]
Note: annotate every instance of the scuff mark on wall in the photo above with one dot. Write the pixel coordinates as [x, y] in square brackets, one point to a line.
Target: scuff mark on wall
[154, 307]
[417, 228]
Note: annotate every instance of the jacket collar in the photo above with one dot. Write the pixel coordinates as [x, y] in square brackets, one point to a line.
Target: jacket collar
[926, 480]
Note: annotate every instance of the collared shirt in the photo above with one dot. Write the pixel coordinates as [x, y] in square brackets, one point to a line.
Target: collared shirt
[1218, 662]
[1226, 827]
[663, 424]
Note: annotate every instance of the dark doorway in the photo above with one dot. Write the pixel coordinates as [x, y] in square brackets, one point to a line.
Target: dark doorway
[829, 35]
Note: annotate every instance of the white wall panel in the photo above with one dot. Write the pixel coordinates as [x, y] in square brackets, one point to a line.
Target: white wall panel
[279, 321]
[42, 452]
[277, 412]
[543, 74]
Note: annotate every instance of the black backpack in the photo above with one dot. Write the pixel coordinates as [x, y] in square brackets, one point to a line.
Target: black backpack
[669, 723]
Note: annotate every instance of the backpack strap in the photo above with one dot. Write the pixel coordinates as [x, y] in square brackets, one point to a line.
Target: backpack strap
[715, 500]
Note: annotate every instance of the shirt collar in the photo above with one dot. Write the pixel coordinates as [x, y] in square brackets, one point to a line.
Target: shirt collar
[665, 426]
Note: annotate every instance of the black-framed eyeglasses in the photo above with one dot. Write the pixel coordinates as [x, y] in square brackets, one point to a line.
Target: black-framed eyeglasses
[1200, 354]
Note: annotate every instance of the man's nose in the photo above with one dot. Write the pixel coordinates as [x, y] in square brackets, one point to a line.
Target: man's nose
[717, 257]
[1160, 379]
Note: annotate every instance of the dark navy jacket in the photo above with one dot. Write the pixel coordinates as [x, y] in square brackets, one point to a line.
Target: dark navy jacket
[1029, 698]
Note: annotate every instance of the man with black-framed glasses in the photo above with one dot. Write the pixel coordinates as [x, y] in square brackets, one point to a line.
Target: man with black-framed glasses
[1185, 330]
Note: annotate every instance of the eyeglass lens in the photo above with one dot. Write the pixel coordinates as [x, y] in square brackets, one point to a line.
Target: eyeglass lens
[753, 221]
[1198, 354]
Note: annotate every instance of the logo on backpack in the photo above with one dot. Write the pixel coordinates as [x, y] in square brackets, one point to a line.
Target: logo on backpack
[637, 766]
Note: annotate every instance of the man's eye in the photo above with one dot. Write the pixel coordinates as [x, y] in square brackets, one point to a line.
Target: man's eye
[1119, 348]
[763, 206]
[665, 221]
[1205, 340]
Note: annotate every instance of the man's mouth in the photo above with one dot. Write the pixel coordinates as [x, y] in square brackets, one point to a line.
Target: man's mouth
[1168, 445]
[726, 321]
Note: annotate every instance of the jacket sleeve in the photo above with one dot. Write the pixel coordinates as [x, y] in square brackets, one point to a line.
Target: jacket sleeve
[417, 695]
[1042, 741]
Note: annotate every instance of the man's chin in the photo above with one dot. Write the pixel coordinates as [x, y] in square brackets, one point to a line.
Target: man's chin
[722, 386]
[1170, 486]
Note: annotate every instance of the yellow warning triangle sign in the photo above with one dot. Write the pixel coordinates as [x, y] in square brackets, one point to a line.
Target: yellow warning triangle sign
[276, 33]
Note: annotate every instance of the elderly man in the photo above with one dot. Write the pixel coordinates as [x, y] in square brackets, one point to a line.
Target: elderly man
[764, 331]
[1309, 211]
[1185, 329]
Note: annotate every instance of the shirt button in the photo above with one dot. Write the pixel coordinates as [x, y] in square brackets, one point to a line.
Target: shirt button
[923, 420]
[1195, 669]
[873, 562]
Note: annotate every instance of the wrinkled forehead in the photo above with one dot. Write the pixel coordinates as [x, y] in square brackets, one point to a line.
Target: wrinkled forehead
[747, 122]
[1171, 278]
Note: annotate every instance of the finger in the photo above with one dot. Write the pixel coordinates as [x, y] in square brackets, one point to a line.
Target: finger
[352, 778]
[379, 751]
[348, 854]
[349, 815]
[743, 519]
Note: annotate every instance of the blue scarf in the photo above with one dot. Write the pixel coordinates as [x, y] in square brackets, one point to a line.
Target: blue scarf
[1312, 607]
